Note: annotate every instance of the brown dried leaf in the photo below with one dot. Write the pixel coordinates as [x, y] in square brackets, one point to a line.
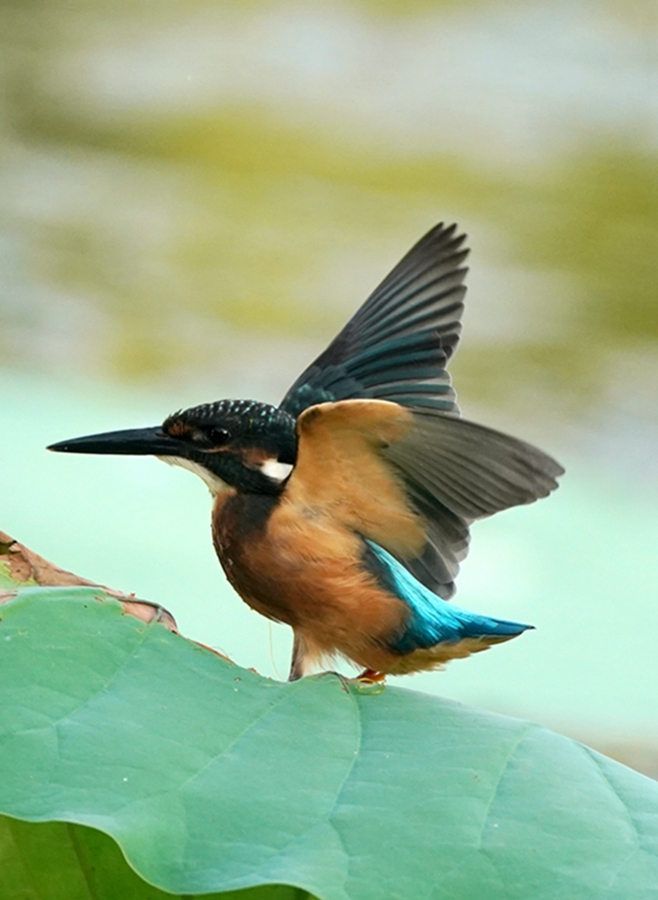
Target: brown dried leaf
[26, 566]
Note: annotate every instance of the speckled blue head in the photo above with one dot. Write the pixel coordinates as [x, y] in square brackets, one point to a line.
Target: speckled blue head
[241, 443]
[238, 423]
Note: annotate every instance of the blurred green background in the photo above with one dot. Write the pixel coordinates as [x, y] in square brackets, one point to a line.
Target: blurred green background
[194, 196]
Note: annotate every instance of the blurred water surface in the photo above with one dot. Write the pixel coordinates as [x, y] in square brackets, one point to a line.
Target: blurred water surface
[193, 199]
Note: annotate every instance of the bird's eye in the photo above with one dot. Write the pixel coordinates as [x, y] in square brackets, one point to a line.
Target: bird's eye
[218, 435]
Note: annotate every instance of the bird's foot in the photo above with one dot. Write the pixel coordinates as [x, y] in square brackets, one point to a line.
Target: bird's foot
[370, 676]
[368, 681]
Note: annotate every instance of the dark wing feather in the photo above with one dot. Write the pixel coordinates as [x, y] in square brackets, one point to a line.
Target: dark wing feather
[396, 348]
[455, 472]
[448, 537]
[397, 345]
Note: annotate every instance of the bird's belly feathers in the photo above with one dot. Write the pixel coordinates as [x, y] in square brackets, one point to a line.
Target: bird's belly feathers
[305, 570]
[299, 566]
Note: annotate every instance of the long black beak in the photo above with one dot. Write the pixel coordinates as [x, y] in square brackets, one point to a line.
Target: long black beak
[135, 442]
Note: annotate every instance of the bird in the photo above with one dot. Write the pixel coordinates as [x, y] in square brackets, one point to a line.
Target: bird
[345, 511]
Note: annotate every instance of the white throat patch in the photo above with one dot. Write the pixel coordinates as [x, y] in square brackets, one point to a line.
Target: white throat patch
[213, 482]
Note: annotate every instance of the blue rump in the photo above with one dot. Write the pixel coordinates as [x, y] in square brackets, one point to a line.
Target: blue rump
[432, 620]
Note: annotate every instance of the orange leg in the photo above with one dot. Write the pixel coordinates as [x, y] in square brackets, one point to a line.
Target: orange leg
[369, 676]
[366, 679]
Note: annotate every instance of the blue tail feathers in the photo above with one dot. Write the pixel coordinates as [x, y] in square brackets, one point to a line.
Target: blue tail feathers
[432, 620]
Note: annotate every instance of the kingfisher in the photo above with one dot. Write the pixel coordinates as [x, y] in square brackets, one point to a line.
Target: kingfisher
[344, 511]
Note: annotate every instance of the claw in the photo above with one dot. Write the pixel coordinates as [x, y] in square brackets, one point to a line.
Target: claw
[370, 676]
[368, 681]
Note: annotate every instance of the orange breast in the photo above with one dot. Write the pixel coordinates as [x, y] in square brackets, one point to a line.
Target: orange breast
[300, 567]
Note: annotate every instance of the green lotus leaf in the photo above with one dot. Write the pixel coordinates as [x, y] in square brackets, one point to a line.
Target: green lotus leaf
[211, 778]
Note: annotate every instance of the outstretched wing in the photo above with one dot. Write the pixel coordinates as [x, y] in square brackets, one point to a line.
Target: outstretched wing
[456, 472]
[398, 343]
[412, 480]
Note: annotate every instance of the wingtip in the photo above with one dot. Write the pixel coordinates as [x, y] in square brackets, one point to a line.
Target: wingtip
[447, 234]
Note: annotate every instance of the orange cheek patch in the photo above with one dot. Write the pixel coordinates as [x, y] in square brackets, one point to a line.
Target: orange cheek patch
[254, 457]
[179, 429]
